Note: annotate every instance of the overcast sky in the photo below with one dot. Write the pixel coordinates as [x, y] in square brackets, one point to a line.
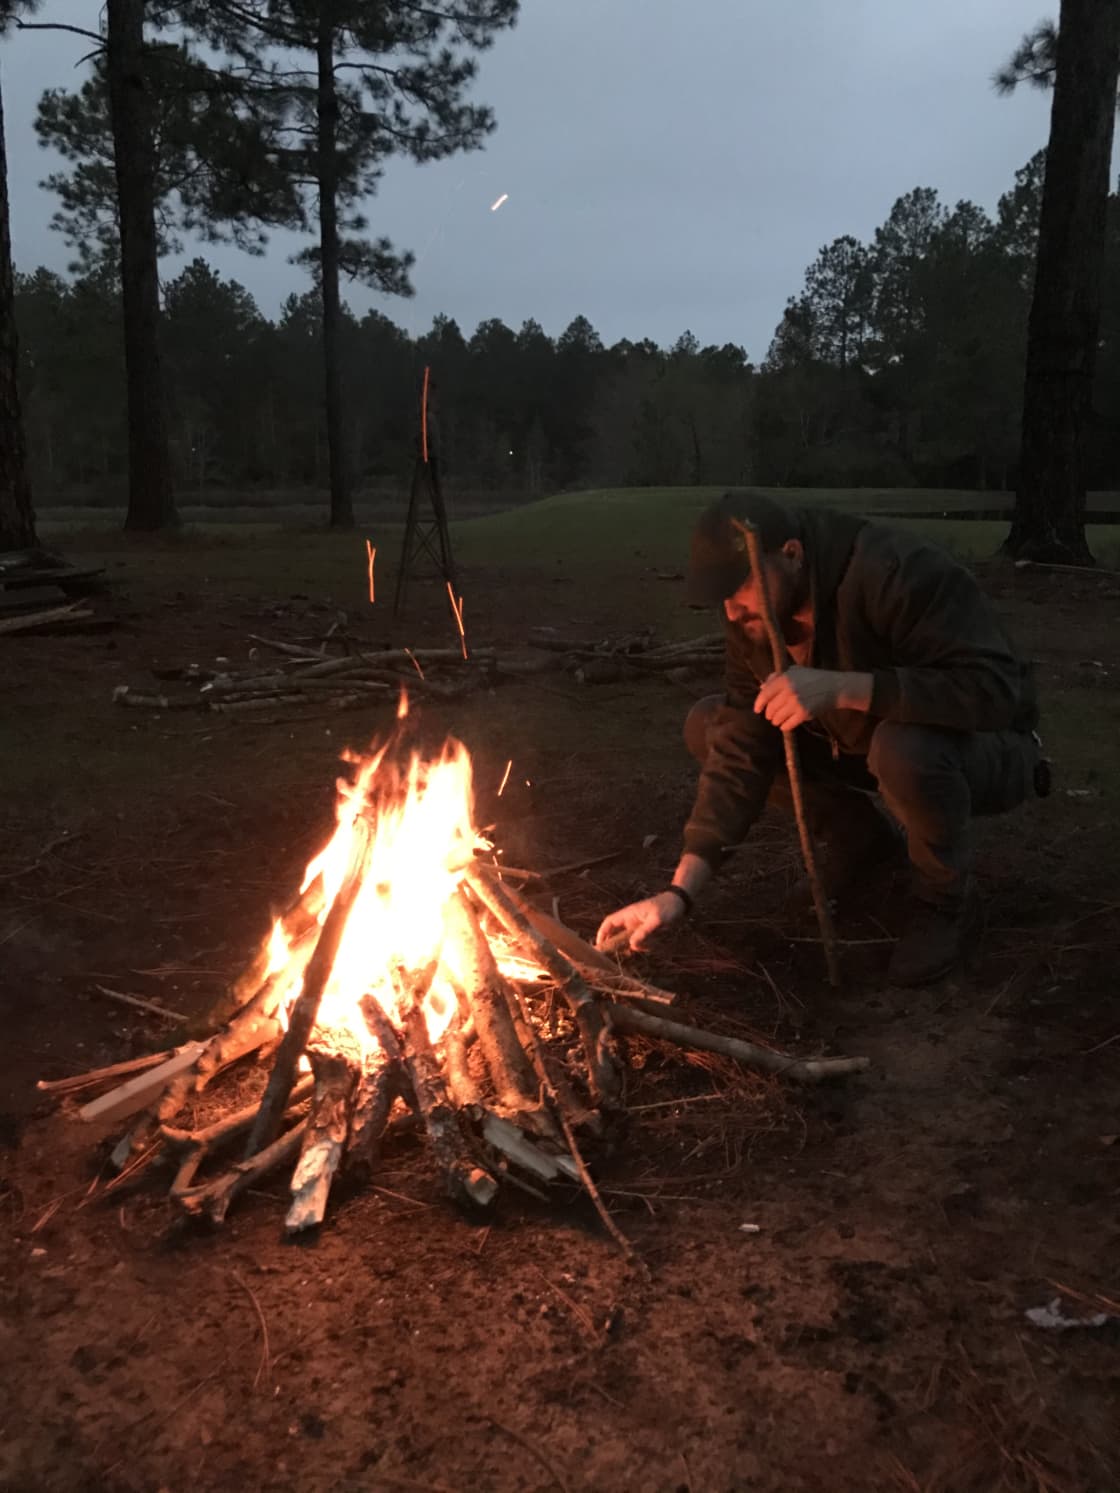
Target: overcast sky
[670, 164]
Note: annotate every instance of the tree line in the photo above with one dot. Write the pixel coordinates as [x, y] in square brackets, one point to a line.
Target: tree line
[899, 362]
[952, 348]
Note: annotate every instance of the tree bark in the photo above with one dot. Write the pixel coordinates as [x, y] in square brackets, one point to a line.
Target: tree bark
[151, 497]
[1062, 333]
[17, 517]
[342, 509]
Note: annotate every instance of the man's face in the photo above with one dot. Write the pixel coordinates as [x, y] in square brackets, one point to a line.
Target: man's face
[783, 570]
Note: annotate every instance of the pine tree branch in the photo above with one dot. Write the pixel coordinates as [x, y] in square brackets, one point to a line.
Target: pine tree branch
[62, 26]
[257, 23]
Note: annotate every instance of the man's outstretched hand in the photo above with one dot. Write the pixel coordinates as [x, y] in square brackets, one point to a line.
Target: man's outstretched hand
[631, 926]
[789, 700]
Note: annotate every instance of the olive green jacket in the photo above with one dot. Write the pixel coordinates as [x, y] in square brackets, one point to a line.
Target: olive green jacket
[885, 602]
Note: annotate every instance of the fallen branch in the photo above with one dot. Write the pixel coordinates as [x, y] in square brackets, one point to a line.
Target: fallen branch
[31, 620]
[134, 1095]
[631, 1018]
[520, 874]
[79, 1081]
[140, 1003]
[214, 1198]
[194, 1146]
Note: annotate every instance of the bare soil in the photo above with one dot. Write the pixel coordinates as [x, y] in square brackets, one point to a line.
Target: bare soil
[870, 1334]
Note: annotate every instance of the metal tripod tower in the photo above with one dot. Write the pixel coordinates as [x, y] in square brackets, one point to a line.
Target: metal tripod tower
[427, 542]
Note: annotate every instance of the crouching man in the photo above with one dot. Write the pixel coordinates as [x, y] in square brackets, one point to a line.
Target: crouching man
[903, 690]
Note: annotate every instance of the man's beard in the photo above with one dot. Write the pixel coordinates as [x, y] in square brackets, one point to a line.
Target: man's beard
[786, 603]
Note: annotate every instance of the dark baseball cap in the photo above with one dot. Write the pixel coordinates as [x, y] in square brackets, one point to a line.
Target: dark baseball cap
[718, 563]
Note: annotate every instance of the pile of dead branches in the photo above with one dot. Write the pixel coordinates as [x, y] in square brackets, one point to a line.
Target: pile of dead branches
[38, 593]
[300, 676]
[526, 1072]
[629, 657]
[292, 675]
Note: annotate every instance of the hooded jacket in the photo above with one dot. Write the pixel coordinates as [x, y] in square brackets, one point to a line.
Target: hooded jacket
[884, 602]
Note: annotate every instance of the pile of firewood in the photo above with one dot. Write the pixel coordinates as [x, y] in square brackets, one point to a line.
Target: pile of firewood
[510, 1092]
[634, 656]
[40, 592]
[303, 676]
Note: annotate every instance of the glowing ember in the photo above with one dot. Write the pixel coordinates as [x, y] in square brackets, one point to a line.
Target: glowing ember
[410, 831]
[457, 613]
[371, 556]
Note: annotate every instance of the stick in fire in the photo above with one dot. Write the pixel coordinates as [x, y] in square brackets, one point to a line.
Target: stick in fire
[406, 972]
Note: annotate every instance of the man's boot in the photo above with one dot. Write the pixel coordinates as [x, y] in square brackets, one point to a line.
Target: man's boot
[935, 939]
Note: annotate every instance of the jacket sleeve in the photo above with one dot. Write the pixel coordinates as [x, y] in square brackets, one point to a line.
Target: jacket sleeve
[744, 751]
[951, 665]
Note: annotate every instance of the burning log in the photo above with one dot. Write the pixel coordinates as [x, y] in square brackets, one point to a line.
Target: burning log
[461, 1084]
[213, 1199]
[466, 1181]
[324, 1139]
[603, 1073]
[405, 970]
[482, 984]
[166, 1091]
[302, 1019]
[378, 1087]
[296, 921]
[195, 1146]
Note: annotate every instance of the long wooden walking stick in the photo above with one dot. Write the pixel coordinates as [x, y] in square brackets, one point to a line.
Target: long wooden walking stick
[780, 655]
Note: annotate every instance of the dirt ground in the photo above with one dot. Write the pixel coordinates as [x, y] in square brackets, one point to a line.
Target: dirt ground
[870, 1334]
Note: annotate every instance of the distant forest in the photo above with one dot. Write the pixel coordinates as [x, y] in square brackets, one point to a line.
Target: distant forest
[898, 363]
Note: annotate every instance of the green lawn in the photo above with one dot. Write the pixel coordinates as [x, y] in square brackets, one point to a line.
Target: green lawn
[652, 524]
[613, 536]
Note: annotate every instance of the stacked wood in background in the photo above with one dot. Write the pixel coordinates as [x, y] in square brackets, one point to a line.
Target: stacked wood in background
[292, 674]
[40, 592]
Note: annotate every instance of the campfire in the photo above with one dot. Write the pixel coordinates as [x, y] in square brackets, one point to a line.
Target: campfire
[407, 982]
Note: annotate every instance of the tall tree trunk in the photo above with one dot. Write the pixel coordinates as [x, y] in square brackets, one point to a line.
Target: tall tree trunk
[151, 496]
[17, 518]
[342, 509]
[1049, 518]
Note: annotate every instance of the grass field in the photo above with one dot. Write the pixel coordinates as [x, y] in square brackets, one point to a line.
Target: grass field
[578, 528]
[653, 523]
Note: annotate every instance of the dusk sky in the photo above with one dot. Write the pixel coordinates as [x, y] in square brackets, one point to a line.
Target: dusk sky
[670, 164]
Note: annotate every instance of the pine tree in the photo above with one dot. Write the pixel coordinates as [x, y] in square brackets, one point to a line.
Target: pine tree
[17, 516]
[361, 82]
[1062, 334]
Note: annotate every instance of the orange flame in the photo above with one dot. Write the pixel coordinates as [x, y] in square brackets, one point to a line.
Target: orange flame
[371, 555]
[411, 828]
